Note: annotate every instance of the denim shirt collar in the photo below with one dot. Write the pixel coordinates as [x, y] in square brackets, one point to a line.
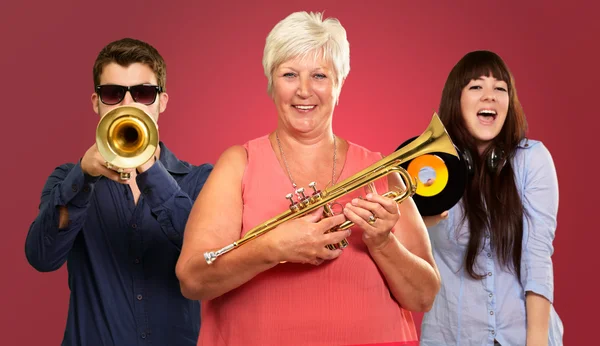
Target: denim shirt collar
[171, 162]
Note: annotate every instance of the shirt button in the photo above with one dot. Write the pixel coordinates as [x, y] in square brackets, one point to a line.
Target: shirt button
[139, 297]
[134, 226]
[493, 332]
[143, 335]
[74, 188]
[490, 274]
[491, 295]
[491, 312]
[86, 189]
[136, 261]
[489, 255]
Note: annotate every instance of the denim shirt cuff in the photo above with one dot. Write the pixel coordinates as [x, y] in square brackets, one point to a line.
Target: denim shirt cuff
[540, 289]
[77, 188]
[157, 185]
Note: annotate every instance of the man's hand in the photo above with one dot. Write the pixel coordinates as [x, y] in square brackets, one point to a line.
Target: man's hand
[94, 164]
[146, 166]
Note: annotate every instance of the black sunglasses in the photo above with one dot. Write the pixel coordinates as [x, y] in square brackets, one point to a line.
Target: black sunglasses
[111, 94]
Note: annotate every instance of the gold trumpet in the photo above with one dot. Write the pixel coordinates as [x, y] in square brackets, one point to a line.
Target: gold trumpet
[126, 137]
[433, 139]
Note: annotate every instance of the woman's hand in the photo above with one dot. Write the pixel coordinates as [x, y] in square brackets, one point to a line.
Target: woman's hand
[376, 215]
[431, 221]
[303, 240]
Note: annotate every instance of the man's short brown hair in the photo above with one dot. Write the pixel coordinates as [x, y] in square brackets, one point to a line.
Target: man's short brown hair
[128, 51]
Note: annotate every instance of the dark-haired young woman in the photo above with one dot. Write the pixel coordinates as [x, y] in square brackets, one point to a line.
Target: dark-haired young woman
[494, 247]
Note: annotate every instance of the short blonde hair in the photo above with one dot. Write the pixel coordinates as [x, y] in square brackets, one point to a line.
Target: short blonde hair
[303, 33]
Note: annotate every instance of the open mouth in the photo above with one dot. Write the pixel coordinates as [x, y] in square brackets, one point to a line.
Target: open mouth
[487, 116]
[304, 108]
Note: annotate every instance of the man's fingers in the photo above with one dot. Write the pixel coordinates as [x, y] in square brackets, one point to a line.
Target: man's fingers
[112, 175]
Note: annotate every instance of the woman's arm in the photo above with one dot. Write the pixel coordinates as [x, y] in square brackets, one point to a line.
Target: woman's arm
[538, 316]
[404, 256]
[216, 221]
[540, 201]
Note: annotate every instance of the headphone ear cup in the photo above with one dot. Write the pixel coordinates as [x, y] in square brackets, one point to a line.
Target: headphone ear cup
[496, 160]
[468, 159]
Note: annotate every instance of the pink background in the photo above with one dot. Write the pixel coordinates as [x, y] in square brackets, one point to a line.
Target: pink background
[401, 53]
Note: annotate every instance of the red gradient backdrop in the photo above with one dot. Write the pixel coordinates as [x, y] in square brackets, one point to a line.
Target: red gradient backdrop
[401, 53]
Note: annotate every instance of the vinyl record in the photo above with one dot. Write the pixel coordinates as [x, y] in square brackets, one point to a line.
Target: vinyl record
[447, 176]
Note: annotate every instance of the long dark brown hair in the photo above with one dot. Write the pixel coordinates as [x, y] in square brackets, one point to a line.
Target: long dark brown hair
[491, 199]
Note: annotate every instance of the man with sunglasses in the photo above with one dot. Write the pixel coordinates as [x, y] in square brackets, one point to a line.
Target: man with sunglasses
[121, 238]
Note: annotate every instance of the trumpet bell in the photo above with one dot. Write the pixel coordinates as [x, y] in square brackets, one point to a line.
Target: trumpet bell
[127, 137]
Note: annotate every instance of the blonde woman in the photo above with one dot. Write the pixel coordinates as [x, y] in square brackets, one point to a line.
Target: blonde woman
[359, 295]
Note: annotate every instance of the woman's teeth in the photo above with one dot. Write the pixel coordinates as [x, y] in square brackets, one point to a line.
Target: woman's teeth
[304, 108]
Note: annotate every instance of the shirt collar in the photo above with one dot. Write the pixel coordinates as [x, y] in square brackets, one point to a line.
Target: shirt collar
[171, 162]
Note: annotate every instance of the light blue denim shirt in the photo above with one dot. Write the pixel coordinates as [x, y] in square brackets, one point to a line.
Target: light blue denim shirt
[475, 312]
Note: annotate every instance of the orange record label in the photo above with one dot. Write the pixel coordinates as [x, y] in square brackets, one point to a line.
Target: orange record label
[431, 174]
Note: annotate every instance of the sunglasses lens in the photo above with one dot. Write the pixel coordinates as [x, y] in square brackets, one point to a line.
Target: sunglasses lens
[145, 94]
[111, 94]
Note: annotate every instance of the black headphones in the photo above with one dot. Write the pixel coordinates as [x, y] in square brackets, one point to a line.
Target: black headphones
[495, 160]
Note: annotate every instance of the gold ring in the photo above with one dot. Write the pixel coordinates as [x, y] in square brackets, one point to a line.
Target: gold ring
[372, 219]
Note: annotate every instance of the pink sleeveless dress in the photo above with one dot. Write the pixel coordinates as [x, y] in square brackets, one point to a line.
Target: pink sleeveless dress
[341, 302]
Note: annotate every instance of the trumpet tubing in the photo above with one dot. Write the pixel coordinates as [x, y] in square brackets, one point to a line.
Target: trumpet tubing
[127, 137]
[433, 139]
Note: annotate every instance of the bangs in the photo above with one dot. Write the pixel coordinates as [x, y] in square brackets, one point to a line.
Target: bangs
[324, 53]
[306, 51]
[487, 65]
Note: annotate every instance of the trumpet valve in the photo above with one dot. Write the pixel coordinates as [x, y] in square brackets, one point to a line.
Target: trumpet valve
[313, 185]
[293, 205]
[302, 199]
[300, 192]
[341, 245]
[316, 193]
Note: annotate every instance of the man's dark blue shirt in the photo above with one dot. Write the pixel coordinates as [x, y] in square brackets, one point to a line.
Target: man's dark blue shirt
[120, 256]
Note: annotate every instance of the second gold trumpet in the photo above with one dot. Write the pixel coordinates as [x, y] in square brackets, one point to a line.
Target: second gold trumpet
[127, 137]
